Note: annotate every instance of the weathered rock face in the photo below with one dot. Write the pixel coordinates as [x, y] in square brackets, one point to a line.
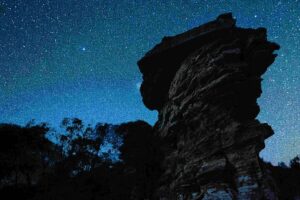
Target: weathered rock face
[205, 83]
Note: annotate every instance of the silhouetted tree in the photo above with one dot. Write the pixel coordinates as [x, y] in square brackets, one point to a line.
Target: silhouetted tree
[80, 146]
[295, 163]
[26, 156]
[287, 179]
[24, 152]
[282, 165]
[111, 143]
[140, 158]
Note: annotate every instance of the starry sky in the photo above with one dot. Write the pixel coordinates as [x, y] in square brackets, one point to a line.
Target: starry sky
[77, 58]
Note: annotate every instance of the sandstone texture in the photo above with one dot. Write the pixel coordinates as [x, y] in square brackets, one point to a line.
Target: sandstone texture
[205, 83]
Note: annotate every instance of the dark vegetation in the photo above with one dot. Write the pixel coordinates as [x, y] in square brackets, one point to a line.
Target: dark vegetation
[287, 178]
[40, 163]
[82, 162]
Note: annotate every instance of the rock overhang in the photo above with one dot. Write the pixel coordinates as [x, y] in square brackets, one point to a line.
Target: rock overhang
[161, 63]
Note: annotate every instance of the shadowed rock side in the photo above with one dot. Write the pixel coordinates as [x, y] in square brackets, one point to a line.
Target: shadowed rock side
[204, 84]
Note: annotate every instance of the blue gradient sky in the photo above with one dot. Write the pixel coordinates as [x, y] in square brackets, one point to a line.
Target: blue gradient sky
[77, 58]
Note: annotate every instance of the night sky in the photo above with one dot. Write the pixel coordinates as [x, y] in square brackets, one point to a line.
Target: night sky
[77, 58]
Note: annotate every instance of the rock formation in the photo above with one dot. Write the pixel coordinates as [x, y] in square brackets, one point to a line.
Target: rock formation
[204, 84]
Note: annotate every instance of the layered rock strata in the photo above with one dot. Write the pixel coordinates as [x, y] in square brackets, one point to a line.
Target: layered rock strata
[204, 83]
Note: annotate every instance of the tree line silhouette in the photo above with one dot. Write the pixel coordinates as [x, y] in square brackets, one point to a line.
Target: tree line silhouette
[39, 163]
[88, 163]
